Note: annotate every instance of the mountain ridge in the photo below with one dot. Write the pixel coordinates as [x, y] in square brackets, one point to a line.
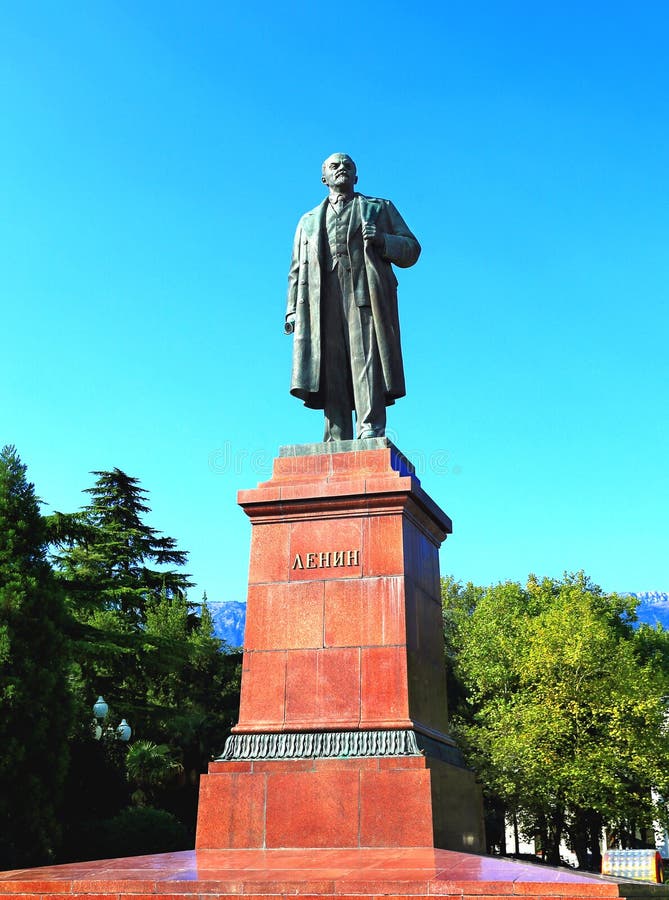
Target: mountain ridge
[230, 615]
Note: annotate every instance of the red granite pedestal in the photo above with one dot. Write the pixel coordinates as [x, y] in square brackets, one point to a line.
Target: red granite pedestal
[340, 780]
[342, 738]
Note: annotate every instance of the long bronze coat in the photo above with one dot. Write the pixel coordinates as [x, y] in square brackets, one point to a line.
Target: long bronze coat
[374, 285]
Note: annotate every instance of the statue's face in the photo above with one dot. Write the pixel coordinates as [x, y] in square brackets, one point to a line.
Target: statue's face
[339, 172]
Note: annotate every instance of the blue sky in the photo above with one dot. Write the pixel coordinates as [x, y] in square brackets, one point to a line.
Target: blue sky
[155, 158]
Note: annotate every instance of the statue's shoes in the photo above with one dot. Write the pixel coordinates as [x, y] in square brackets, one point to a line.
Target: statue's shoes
[367, 434]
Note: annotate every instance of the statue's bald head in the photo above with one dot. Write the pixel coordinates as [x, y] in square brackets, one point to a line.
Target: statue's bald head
[339, 172]
[337, 156]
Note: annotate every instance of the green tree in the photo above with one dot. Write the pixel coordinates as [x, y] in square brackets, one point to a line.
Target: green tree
[137, 638]
[193, 692]
[120, 576]
[565, 712]
[111, 559]
[458, 602]
[150, 766]
[35, 710]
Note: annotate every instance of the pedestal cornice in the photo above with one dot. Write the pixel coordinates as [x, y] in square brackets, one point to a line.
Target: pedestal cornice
[358, 480]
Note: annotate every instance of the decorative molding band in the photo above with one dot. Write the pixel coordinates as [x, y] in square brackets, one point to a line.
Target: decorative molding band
[305, 744]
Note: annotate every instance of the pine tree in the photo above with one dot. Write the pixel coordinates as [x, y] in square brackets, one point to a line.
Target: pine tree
[123, 587]
[34, 702]
[111, 559]
[138, 640]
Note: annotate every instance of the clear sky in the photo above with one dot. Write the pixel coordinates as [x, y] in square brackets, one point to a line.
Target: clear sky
[155, 158]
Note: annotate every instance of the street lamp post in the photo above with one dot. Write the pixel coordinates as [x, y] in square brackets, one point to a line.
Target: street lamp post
[122, 732]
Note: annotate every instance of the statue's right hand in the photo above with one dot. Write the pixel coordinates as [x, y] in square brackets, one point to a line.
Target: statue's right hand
[289, 327]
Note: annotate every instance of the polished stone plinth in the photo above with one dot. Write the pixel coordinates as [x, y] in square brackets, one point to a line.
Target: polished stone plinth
[341, 874]
[342, 739]
[344, 624]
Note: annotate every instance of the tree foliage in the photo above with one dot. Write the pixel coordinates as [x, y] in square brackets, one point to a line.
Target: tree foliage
[35, 709]
[111, 559]
[133, 831]
[107, 613]
[137, 638]
[565, 710]
[150, 766]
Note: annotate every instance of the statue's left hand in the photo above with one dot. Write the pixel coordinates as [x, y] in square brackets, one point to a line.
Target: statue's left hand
[371, 233]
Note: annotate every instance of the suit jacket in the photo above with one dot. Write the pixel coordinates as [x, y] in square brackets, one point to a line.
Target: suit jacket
[374, 285]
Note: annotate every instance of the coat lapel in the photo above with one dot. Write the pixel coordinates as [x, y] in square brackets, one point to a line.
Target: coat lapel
[367, 211]
[357, 217]
[311, 224]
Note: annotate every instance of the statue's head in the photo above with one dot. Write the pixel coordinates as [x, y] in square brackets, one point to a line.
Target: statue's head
[339, 172]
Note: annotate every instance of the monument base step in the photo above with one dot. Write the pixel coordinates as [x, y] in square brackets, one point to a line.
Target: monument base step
[376, 801]
[322, 873]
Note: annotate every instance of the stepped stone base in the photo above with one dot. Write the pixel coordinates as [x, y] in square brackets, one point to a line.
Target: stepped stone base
[342, 874]
[387, 801]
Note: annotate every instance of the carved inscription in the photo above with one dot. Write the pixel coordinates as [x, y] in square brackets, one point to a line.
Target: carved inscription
[327, 559]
